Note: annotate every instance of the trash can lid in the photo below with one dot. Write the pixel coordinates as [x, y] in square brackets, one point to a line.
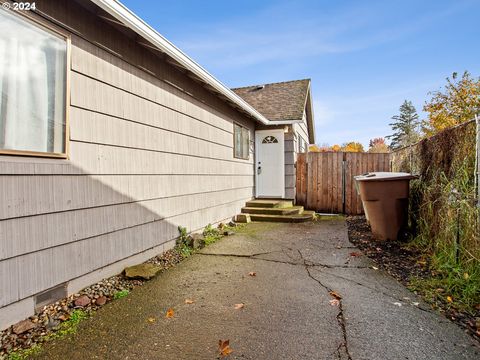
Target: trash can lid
[384, 176]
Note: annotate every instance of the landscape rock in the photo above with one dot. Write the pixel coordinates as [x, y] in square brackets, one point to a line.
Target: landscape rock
[142, 271]
[102, 300]
[82, 301]
[198, 241]
[52, 323]
[243, 218]
[23, 326]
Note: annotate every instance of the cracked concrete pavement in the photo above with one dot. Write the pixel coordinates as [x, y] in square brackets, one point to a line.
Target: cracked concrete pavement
[287, 312]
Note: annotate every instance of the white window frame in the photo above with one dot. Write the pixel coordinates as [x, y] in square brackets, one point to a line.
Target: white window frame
[244, 130]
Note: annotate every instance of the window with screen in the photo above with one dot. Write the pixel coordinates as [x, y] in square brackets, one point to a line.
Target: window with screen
[33, 86]
[241, 146]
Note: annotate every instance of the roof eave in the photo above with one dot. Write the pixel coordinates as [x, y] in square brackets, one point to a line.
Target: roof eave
[309, 110]
[132, 21]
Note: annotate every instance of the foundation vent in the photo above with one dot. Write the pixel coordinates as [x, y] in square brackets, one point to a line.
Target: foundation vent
[50, 296]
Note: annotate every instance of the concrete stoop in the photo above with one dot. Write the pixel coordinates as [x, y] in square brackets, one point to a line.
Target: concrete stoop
[276, 211]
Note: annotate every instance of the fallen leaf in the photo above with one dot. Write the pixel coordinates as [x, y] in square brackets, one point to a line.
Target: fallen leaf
[224, 347]
[334, 302]
[151, 319]
[378, 249]
[169, 313]
[374, 268]
[252, 273]
[397, 304]
[466, 276]
[239, 306]
[355, 254]
[449, 299]
[189, 301]
[335, 295]
[415, 303]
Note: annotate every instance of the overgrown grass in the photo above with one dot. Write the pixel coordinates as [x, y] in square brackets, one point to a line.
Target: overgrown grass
[445, 219]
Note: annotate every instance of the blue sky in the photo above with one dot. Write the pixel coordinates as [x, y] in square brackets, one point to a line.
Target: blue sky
[364, 57]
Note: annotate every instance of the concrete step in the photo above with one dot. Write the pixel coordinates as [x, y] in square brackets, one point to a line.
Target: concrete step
[270, 203]
[294, 210]
[282, 218]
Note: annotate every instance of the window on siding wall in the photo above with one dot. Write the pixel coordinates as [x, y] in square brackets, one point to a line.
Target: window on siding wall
[241, 146]
[301, 145]
[33, 72]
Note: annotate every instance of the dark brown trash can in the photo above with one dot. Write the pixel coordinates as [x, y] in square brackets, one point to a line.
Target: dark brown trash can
[385, 201]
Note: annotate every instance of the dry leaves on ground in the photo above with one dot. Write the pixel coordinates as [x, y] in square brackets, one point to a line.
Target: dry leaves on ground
[239, 306]
[189, 301]
[334, 302]
[169, 314]
[224, 347]
[252, 273]
[335, 295]
[151, 319]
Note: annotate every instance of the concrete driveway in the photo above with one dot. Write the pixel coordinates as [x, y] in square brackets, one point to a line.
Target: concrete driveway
[288, 310]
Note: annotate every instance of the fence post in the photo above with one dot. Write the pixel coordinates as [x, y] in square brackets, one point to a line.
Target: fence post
[477, 159]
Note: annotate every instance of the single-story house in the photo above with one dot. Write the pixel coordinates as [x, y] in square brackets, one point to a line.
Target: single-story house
[111, 137]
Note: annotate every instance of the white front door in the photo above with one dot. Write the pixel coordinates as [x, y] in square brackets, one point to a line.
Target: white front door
[270, 163]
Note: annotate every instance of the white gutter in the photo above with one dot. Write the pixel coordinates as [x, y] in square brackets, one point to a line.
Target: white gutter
[284, 122]
[132, 21]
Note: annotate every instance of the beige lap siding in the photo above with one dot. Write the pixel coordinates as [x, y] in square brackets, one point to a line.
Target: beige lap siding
[145, 157]
[290, 159]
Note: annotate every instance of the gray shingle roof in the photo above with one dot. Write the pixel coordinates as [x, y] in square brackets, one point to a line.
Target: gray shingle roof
[277, 101]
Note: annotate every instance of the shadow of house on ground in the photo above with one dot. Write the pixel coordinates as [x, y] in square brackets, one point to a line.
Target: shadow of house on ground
[288, 311]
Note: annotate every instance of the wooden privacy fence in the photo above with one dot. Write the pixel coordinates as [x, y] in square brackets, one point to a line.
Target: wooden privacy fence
[325, 179]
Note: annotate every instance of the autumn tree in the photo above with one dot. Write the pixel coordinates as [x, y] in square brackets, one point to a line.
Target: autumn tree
[314, 148]
[378, 145]
[405, 127]
[352, 146]
[457, 103]
[324, 148]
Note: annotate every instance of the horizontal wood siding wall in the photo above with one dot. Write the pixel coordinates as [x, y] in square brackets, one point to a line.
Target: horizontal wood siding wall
[145, 157]
[290, 159]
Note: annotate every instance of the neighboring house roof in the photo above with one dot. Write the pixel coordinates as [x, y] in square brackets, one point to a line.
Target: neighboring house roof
[127, 18]
[286, 101]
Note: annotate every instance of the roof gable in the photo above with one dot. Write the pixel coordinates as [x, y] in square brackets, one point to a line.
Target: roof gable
[278, 101]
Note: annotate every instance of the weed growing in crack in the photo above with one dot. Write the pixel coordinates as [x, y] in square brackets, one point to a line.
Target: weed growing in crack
[120, 294]
[182, 242]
